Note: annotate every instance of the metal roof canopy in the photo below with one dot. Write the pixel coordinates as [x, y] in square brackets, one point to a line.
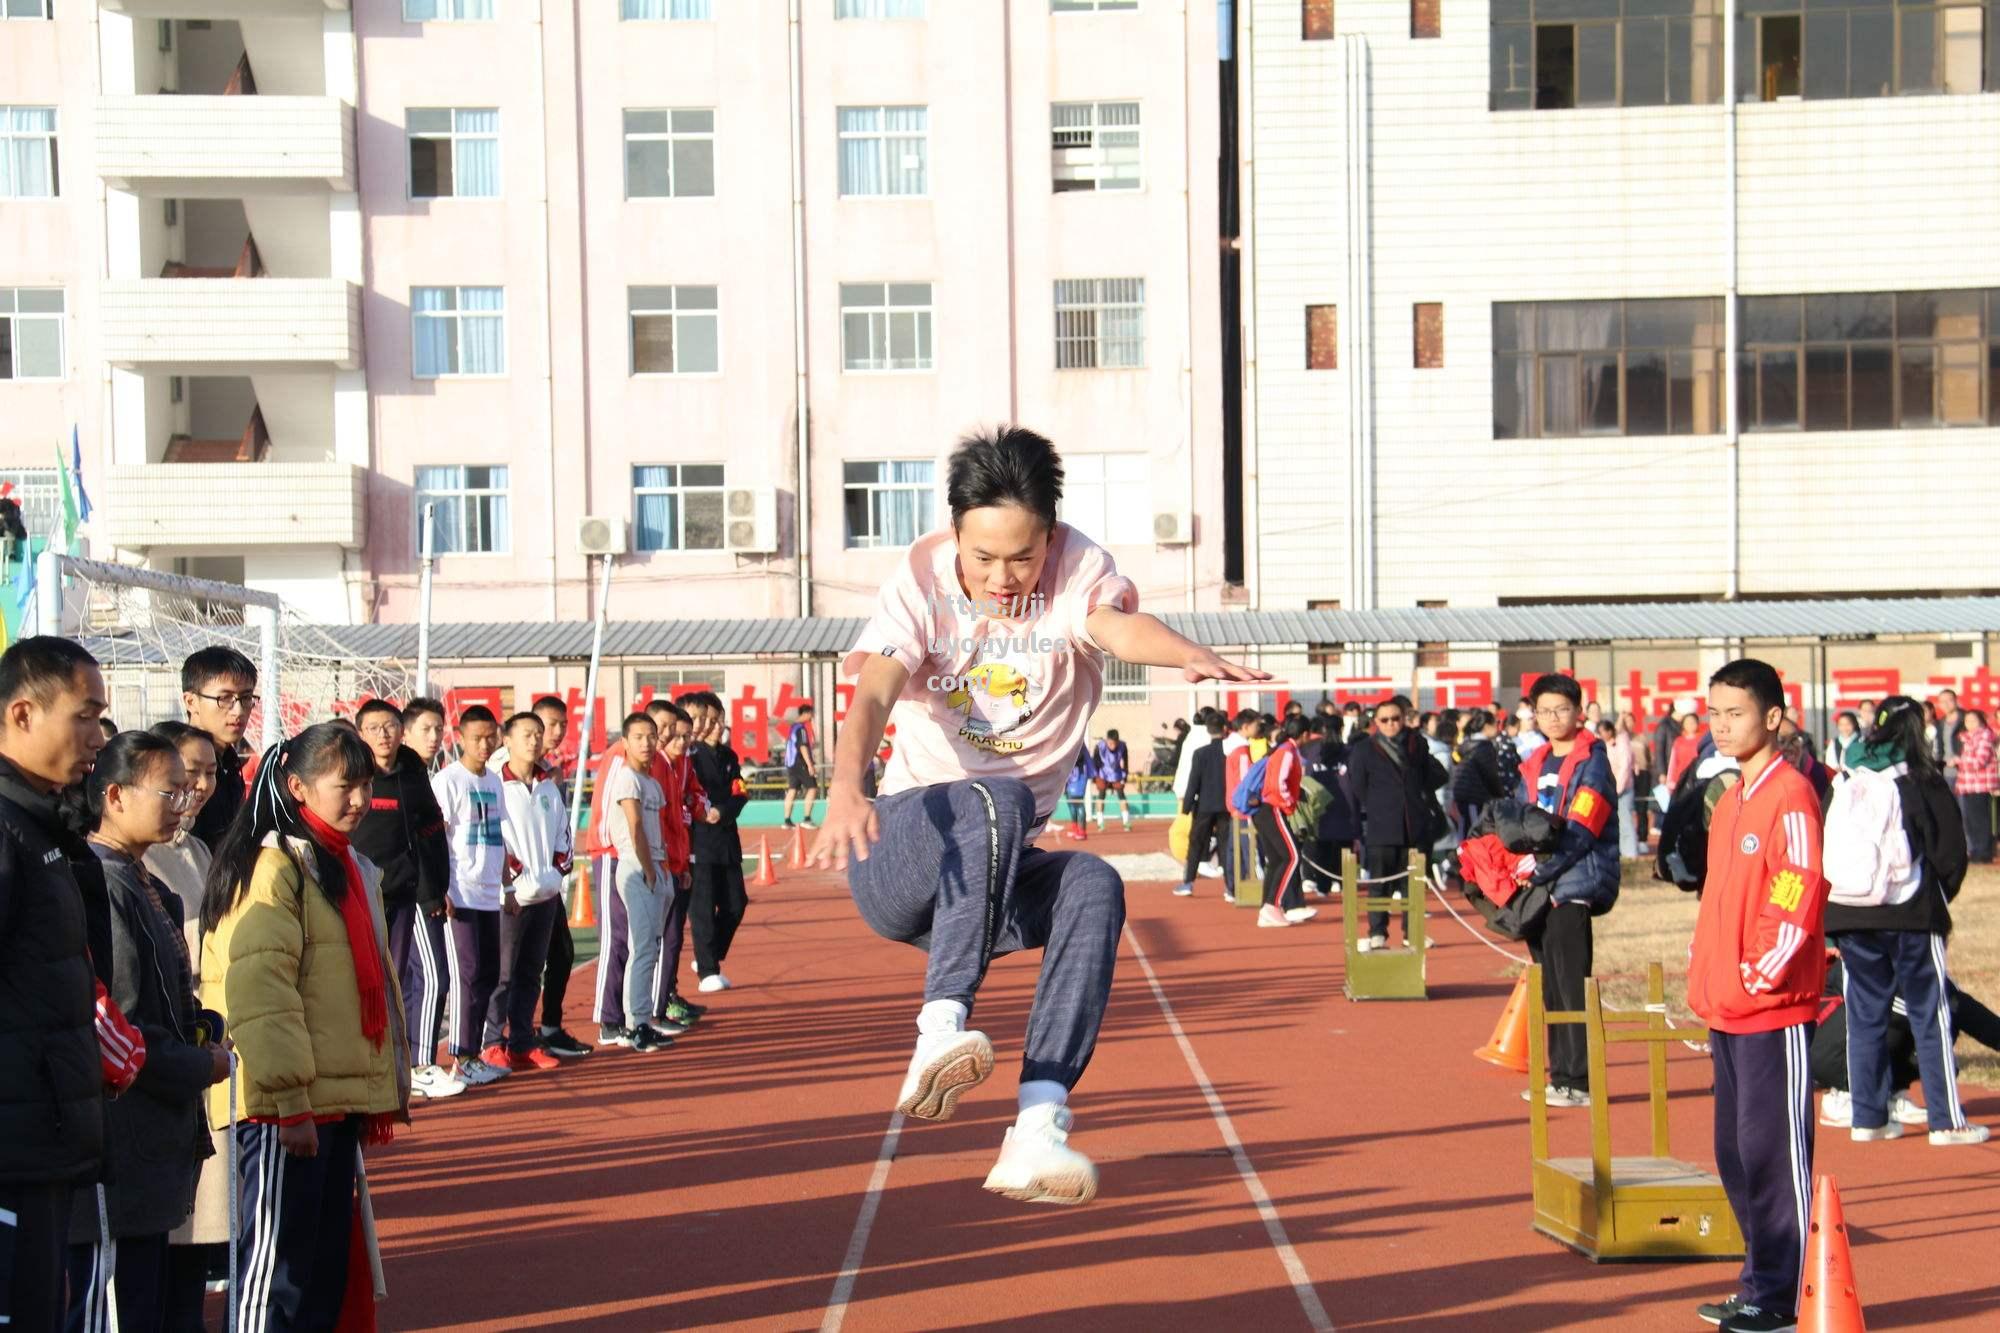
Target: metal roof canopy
[746, 641]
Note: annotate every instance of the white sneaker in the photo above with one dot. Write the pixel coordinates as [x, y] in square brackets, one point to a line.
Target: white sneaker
[1229, 897]
[1836, 1110]
[1378, 942]
[1951, 1138]
[715, 982]
[1037, 1165]
[1183, 890]
[1210, 871]
[1558, 1097]
[1269, 918]
[434, 1083]
[1892, 1130]
[1298, 914]
[1906, 1112]
[944, 1067]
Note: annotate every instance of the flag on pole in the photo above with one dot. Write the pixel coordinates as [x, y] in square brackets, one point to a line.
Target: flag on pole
[76, 468]
[70, 520]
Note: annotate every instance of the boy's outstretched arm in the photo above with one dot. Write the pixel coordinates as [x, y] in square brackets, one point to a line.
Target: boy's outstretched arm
[1141, 639]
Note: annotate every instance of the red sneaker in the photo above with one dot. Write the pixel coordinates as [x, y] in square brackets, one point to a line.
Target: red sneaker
[496, 1055]
[1076, 835]
[534, 1059]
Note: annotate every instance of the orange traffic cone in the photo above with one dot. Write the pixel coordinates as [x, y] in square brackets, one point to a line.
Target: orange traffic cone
[582, 911]
[1508, 1046]
[796, 857]
[1828, 1302]
[766, 876]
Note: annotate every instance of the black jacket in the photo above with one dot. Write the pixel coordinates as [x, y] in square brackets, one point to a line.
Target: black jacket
[403, 833]
[1393, 799]
[52, 909]
[1479, 779]
[158, 1130]
[721, 775]
[1206, 794]
[1936, 828]
[227, 798]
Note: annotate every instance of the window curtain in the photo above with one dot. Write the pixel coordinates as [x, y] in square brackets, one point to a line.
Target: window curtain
[655, 518]
[435, 336]
[902, 515]
[482, 335]
[908, 158]
[27, 167]
[476, 163]
[665, 9]
[861, 160]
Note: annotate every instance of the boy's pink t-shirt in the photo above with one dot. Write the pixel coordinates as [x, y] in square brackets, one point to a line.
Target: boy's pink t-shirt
[987, 696]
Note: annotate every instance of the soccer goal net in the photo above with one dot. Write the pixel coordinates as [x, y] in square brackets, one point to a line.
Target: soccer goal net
[141, 624]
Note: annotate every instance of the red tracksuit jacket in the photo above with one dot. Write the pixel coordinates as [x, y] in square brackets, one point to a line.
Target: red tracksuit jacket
[1282, 774]
[1758, 961]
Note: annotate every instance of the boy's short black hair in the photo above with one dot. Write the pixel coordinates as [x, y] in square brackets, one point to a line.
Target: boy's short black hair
[177, 733]
[476, 713]
[41, 667]
[805, 709]
[658, 706]
[1245, 717]
[703, 699]
[1216, 724]
[1351, 706]
[374, 706]
[422, 706]
[1550, 682]
[633, 719]
[677, 713]
[1295, 727]
[518, 719]
[215, 663]
[1758, 678]
[1111, 735]
[549, 703]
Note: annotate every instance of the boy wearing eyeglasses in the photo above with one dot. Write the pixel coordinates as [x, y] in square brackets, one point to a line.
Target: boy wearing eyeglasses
[1571, 777]
[219, 691]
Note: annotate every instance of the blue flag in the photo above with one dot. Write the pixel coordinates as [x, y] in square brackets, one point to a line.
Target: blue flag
[76, 469]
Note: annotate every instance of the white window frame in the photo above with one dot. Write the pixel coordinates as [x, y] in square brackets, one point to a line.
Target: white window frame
[460, 314]
[454, 135]
[873, 541]
[38, 490]
[670, 137]
[678, 492]
[1089, 477]
[883, 319]
[707, 8]
[451, 11]
[503, 492]
[41, 8]
[680, 313]
[1120, 685]
[9, 137]
[1097, 297]
[1090, 6]
[1079, 157]
[885, 138]
[10, 311]
[882, 10]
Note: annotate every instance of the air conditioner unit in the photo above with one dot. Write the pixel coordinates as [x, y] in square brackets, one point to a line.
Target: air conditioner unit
[750, 520]
[601, 536]
[1173, 527]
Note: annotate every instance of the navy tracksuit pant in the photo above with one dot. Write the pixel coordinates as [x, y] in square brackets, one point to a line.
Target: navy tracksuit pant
[1877, 968]
[1763, 1151]
[298, 1227]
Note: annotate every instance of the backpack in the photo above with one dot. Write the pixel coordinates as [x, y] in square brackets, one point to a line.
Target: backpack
[1866, 851]
[1249, 793]
[1682, 859]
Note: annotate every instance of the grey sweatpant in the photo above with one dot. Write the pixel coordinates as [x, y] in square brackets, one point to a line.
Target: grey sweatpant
[955, 875]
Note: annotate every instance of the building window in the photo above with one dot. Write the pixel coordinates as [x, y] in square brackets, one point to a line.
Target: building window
[885, 325]
[458, 331]
[1323, 654]
[665, 9]
[661, 680]
[1435, 654]
[1316, 20]
[1869, 361]
[1100, 323]
[454, 153]
[25, 9]
[1428, 317]
[1425, 21]
[38, 490]
[675, 330]
[1558, 54]
[446, 11]
[1322, 337]
[31, 333]
[889, 504]
[878, 9]
[1847, 48]
[28, 152]
[1085, 6]
[669, 154]
[1568, 368]
[1126, 682]
[1108, 498]
[471, 508]
[1096, 145]
[884, 150]
[677, 507]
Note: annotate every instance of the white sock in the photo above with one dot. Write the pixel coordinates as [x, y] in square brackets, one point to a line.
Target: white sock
[1042, 1092]
[941, 1016]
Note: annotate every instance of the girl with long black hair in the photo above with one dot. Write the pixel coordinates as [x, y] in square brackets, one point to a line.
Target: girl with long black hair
[293, 950]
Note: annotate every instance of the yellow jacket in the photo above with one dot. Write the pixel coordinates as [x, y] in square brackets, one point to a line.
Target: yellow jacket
[279, 971]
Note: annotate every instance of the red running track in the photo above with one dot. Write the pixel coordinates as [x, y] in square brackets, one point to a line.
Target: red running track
[718, 1184]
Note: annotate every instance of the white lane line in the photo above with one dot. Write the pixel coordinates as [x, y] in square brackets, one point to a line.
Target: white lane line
[864, 1222]
[1302, 1285]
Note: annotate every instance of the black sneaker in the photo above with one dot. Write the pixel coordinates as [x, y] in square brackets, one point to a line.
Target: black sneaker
[644, 1038]
[560, 1043]
[608, 1036]
[1752, 1319]
[1716, 1311]
[696, 1009]
[788, 823]
[682, 1013]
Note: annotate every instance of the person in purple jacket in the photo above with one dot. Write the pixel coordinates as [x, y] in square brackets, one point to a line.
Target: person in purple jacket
[1112, 760]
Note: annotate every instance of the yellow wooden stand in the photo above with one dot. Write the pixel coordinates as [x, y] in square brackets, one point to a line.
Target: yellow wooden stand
[1247, 882]
[1606, 1207]
[1384, 974]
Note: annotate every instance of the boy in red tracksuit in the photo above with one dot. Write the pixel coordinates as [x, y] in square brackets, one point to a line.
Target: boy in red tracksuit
[1283, 770]
[1755, 972]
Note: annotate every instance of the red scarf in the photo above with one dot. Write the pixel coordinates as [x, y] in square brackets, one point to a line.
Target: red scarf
[360, 922]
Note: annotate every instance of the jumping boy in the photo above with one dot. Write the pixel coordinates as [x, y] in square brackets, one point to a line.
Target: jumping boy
[219, 692]
[471, 800]
[801, 773]
[1755, 972]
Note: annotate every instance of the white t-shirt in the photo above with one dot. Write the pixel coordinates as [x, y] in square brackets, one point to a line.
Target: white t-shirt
[625, 783]
[472, 804]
